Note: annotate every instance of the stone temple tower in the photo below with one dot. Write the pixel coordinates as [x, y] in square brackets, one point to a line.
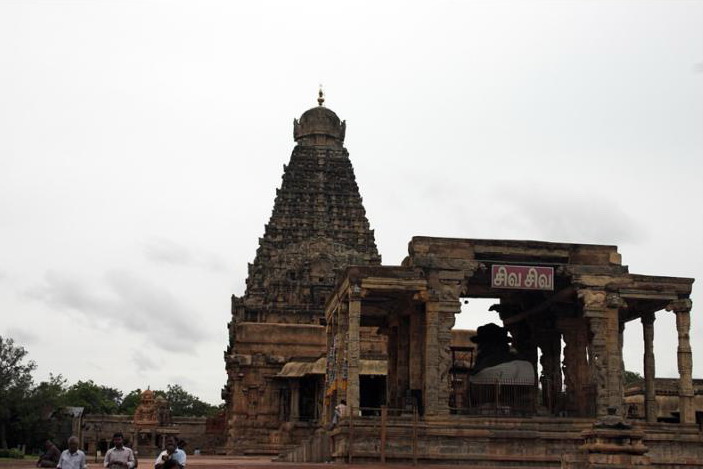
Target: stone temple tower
[318, 228]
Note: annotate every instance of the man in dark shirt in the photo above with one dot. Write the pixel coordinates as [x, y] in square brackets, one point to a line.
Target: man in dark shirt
[51, 455]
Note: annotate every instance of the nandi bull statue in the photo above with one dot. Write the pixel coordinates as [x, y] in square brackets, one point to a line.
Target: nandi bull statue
[495, 362]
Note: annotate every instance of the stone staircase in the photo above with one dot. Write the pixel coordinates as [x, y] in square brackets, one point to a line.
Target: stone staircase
[263, 441]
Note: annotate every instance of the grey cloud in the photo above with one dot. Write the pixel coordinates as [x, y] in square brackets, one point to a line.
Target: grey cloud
[125, 301]
[143, 362]
[96, 366]
[21, 336]
[197, 387]
[186, 383]
[166, 251]
[65, 290]
[155, 310]
[572, 217]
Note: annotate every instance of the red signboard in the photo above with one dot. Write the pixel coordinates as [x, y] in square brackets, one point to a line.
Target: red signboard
[522, 277]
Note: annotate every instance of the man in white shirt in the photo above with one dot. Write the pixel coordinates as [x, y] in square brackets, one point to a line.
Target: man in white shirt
[72, 458]
[340, 411]
[119, 457]
[171, 452]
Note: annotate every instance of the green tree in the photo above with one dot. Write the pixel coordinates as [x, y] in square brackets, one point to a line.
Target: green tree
[632, 377]
[130, 402]
[184, 404]
[50, 394]
[93, 398]
[15, 384]
[35, 410]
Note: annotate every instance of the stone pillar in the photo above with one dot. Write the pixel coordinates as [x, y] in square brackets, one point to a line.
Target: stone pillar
[416, 349]
[524, 341]
[549, 342]
[606, 364]
[439, 320]
[431, 351]
[447, 317]
[354, 352]
[595, 314]
[598, 363]
[342, 352]
[682, 309]
[575, 366]
[616, 363]
[650, 395]
[403, 359]
[331, 368]
[294, 400]
[620, 375]
[392, 376]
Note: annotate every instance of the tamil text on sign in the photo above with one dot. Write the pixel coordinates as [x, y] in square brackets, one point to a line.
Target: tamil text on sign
[522, 277]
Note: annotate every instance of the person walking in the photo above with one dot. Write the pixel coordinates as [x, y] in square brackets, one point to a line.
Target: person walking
[72, 458]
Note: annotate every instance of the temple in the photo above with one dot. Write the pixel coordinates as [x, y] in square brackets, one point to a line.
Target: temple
[145, 431]
[323, 321]
[277, 337]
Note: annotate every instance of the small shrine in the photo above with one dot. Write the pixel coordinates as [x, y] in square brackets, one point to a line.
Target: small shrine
[152, 421]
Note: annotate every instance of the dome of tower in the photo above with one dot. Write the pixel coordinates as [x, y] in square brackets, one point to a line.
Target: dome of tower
[318, 123]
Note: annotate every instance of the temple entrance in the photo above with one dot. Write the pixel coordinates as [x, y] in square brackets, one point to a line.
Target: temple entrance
[308, 398]
[372, 393]
[102, 446]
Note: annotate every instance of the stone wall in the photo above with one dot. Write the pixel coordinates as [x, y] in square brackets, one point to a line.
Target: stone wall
[98, 430]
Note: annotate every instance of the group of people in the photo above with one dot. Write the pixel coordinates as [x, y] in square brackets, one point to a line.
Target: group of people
[117, 457]
[71, 458]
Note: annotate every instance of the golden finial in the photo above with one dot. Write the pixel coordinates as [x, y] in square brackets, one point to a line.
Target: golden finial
[320, 96]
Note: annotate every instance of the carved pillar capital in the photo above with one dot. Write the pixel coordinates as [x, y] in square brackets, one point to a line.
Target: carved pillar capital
[614, 300]
[592, 300]
[680, 306]
[444, 290]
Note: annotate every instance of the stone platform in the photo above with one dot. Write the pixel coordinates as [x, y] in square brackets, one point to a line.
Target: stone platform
[494, 442]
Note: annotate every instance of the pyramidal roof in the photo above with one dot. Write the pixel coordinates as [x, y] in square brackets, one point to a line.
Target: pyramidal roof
[318, 228]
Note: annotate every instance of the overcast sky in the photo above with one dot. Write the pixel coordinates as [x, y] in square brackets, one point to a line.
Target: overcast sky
[141, 145]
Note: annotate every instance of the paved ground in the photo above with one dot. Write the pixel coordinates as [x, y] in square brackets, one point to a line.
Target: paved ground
[224, 462]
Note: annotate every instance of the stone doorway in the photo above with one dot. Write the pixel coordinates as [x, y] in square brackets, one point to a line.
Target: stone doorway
[372, 393]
